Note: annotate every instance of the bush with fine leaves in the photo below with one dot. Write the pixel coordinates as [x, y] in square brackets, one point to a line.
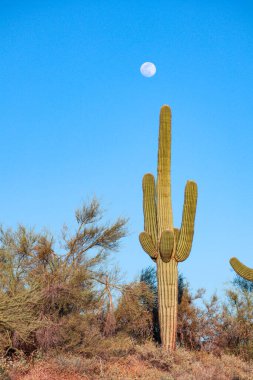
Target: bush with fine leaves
[50, 295]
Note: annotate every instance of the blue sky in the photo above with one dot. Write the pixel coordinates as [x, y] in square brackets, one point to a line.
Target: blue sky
[78, 119]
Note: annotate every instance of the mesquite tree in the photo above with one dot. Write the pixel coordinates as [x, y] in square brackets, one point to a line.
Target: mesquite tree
[165, 244]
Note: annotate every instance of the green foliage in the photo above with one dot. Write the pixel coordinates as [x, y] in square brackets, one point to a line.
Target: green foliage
[238, 319]
[50, 295]
[148, 276]
[243, 284]
[134, 312]
[4, 375]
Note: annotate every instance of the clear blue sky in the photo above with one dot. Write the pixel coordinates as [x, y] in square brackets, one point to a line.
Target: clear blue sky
[78, 119]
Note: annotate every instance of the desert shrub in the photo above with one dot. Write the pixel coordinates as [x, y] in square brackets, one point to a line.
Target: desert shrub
[77, 364]
[80, 333]
[134, 311]
[53, 296]
[237, 319]
[154, 356]
[148, 276]
[218, 326]
[188, 321]
[116, 346]
[3, 374]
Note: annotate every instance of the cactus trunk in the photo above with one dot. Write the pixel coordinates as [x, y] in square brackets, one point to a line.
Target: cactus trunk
[167, 275]
[165, 244]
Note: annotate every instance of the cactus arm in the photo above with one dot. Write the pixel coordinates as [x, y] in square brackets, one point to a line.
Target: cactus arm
[176, 236]
[166, 245]
[149, 206]
[148, 245]
[187, 226]
[241, 269]
[164, 205]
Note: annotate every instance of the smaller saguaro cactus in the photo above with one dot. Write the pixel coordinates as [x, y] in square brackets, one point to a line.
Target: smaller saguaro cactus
[166, 245]
[241, 269]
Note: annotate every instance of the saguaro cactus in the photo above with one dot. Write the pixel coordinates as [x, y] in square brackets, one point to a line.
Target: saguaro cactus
[165, 244]
[241, 269]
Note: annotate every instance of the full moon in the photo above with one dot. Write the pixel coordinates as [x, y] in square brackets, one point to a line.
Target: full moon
[148, 69]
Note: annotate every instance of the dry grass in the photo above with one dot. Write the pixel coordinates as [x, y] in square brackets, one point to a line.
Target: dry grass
[203, 366]
[140, 362]
[46, 371]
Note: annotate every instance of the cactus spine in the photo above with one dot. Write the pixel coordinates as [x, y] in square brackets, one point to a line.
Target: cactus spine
[241, 269]
[165, 244]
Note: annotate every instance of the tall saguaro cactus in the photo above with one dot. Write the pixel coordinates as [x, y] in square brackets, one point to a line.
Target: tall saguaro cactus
[165, 244]
[241, 269]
